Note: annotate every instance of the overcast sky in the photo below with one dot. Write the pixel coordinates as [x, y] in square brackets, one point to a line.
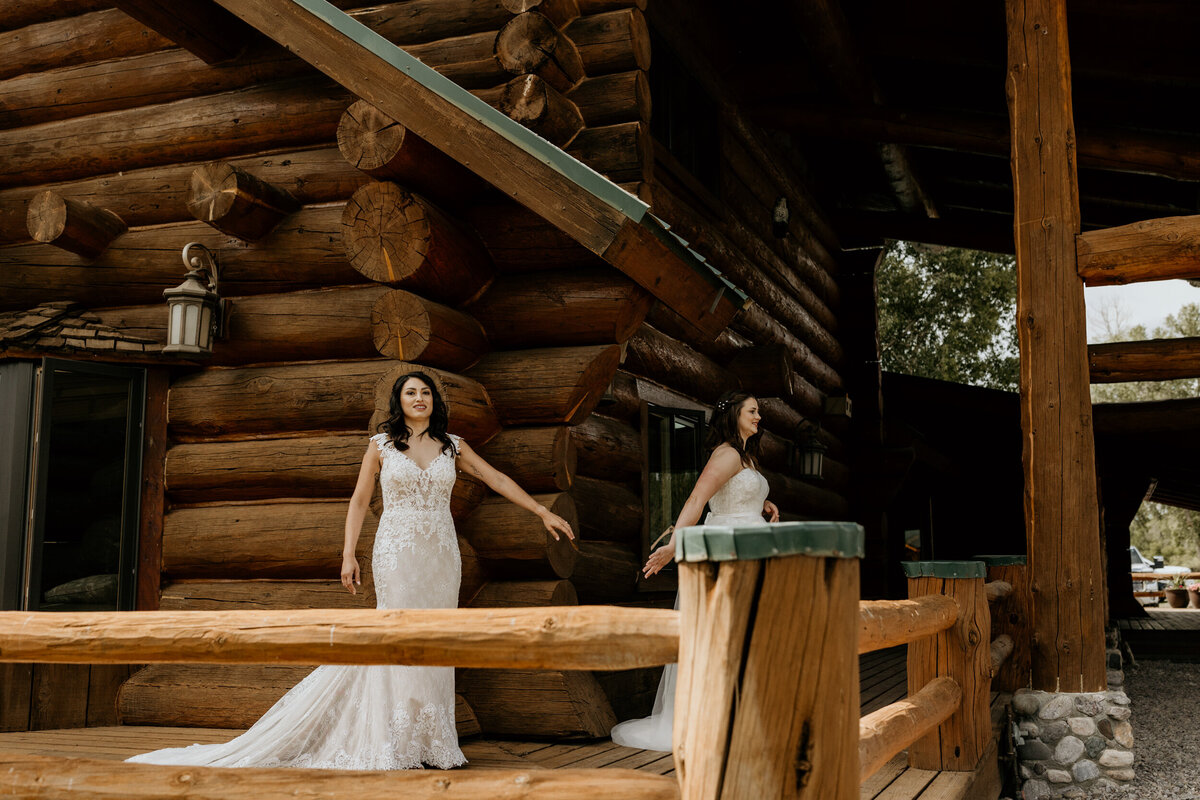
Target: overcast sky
[1146, 304]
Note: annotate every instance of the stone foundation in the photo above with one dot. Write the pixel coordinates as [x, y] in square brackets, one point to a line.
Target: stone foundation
[1074, 745]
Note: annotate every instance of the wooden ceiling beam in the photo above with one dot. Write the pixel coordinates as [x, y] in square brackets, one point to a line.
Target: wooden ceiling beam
[201, 27]
[1113, 150]
[972, 230]
[1151, 360]
[1151, 250]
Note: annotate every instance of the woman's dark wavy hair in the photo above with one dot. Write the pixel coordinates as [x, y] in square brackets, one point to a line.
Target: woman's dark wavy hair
[395, 426]
[723, 428]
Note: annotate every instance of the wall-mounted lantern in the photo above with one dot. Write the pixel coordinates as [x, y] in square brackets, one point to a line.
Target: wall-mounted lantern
[808, 451]
[194, 309]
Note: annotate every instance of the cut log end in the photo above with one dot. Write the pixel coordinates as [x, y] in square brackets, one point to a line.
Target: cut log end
[411, 328]
[531, 44]
[72, 225]
[237, 203]
[370, 139]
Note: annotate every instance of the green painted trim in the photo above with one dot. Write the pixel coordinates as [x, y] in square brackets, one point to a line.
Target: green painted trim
[1003, 561]
[751, 542]
[944, 569]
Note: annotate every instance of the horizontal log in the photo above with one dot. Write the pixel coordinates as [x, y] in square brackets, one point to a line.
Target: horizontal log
[607, 572]
[813, 375]
[622, 153]
[797, 497]
[313, 396]
[721, 349]
[614, 41]
[72, 225]
[560, 12]
[884, 733]
[260, 540]
[537, 704]
[222, 695]
[607, 511]
[106, 33]
[399, 238]
[43, 775]
[1152, 360]
[237, 203]
[575, 637]
[530, 43]
[603, 6]
[262, 594]
[1001, 649]
[588, 306]
[19, 13]
[157, 195]
[531, 101]
[407, 326]
[302, 252]
[523, 594]
[997, 590]
[608, 448]
[887, 623]
[621, 400]
[609, 99]
[654, 355]
[521, 241]
[1151, 250]
[547, 386]
[513, 543]
[293, 113]
[538, 459]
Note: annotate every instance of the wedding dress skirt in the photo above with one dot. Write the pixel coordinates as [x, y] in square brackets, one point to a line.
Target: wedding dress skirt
[370, 717]
[738, 502]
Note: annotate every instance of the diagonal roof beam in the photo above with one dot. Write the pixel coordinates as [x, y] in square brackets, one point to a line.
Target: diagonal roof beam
[562, 190]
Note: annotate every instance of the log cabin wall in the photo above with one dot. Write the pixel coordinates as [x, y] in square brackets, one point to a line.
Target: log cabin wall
[525, 329]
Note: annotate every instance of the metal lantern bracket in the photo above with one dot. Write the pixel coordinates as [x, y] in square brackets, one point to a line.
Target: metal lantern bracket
[205, 263]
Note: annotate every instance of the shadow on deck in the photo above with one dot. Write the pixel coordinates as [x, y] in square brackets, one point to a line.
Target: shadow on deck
[882, 680]
[1169, 634]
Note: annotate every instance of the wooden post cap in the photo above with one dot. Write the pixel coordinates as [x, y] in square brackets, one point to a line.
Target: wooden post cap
[752, 542]
[944, 569]
[1002, 561]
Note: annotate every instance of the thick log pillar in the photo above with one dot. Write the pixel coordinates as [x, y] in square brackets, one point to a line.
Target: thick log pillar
[395, 237]
[961, 652]
[1010, 616]
[386, 150]
[409, 327]
[1061, 506]
[768, 634]
[237, 203]
[72, 225]
[531, 44]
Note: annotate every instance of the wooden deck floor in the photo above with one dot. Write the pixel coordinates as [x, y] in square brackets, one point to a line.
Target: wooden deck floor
[882, 681]
[1166, 634]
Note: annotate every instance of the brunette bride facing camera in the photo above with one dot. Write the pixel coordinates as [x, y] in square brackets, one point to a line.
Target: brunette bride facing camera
[736, 494]
[383, 717]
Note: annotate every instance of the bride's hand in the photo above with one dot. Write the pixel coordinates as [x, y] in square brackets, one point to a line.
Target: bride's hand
[350, 573]
[771, 511]
[556, 525]
[659, 559]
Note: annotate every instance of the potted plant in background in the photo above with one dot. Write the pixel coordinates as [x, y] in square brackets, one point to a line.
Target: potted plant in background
[1194, 595]
[1177, 593]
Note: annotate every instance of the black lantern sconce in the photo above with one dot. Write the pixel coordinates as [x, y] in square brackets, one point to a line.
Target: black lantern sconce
[194, 309]
[808, 451]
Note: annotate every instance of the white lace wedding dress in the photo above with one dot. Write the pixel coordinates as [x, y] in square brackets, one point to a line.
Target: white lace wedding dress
[370, 717]
[738, 502]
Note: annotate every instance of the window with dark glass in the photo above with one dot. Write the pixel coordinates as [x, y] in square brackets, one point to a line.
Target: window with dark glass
[71, 446]
[674, 442]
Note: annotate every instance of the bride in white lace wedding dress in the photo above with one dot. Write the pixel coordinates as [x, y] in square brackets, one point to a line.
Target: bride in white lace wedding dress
[383, 717]
[736, 494]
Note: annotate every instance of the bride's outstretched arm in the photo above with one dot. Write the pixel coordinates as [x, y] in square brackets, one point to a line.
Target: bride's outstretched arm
[360, 501]
[723, 464]
[506, 487]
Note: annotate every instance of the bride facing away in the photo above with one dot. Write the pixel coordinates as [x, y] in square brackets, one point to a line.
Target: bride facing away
[383, 717]
[736, 494]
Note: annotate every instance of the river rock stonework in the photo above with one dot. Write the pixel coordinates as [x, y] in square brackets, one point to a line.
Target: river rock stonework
[1074, 745]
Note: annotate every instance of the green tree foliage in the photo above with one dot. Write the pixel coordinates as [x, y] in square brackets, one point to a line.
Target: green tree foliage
[949, 314]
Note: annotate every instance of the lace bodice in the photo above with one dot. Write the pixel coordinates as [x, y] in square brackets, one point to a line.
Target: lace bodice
[416, 503]
[742, 497]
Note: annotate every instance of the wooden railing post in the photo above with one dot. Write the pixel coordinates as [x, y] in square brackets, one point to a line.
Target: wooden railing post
[1010, 615]
[767, 700]
[962, 652]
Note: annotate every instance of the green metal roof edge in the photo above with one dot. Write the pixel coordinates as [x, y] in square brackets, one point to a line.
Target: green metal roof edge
[945, 569]
[1002, 561]
[751, 542]
[679, 245]
[572, 168]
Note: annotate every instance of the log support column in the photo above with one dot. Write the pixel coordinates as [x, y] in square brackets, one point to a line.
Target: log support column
[1061, 506]
[768, 635]
[1010, 616]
